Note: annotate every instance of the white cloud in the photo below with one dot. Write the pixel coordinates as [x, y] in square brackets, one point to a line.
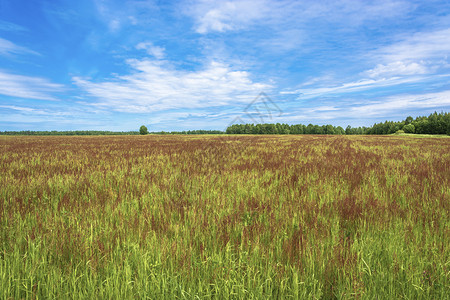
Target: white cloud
[28, 87]
[35, 111]
[316, 80]
[361, 85]
[157, 85]
[228, 15]
[439, 100]
[221, 16]
[213, 20]
[420, 53]
[119, 14]
[155, 51]
[22, 109]
[8, 48]
[412, 59]
[114, 25]
[417, 47]
[398, 68]
[380, 108]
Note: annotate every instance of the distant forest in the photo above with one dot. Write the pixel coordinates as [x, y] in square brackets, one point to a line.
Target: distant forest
[76, 132]
[96, 132]
[435, 123]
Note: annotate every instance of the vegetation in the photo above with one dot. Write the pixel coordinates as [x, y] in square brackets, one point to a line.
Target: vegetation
[436, 123]
[143, 130]
[191, 132]
[94, 132]
[224, 217]
[76, 132]
[433, 124]
[283, 129]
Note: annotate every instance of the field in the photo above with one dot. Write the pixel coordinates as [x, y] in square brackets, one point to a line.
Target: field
[241, 217]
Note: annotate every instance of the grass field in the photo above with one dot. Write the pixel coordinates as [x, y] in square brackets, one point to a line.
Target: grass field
[415, 135]
[224, 217]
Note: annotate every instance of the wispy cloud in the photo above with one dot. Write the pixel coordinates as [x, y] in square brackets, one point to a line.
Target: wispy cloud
[412, 59]
[419, 46]
[221, 16]
[387, 105]
[9, 48]
[36, 111]
[20, 86]
[346, 112]
[155, 51]
[8, 26]
[350, 87]
[118, 14]
[398, 68]
[419, 53]
[227, 15]
[157, 85]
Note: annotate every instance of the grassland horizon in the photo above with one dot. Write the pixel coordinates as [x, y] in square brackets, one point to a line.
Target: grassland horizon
[224, 216]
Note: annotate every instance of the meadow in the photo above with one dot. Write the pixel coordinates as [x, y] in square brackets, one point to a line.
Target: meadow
[242, 217]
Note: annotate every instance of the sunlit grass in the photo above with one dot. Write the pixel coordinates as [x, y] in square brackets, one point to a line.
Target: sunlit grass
[224, 217]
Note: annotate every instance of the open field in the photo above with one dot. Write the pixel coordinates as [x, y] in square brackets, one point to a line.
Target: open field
[224, 217]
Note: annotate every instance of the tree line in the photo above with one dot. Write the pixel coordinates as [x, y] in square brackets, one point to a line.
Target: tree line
[435, 123]
[74, 132]
[201, 131]
[95, 132]
[283, 129]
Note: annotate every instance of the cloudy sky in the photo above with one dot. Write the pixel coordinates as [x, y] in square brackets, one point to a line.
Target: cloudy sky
[180, 65]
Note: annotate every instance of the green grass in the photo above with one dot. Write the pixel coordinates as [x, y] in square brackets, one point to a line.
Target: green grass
[422, 135]
[240, 217]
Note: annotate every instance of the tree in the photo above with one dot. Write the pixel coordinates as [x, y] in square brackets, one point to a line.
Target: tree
[309, 129]
[329, 129]
[348, 130]
[409, 128]
[317, 129]
[408, 120]
[339, 130]
[143, 130]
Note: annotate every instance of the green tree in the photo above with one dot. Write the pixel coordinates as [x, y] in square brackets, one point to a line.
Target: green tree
[408, 120]
[329, 129]
[143, 130]
[348, 130]
[409, 128]
[339, 130]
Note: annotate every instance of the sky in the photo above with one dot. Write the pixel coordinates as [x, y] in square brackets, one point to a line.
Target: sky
[184, 65]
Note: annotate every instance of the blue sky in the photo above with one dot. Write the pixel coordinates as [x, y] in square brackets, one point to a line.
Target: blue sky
[180, 65]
